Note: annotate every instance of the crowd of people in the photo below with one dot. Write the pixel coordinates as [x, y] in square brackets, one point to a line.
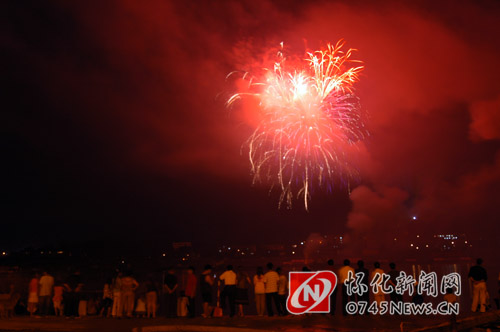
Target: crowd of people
[228, 294]
[124, 296]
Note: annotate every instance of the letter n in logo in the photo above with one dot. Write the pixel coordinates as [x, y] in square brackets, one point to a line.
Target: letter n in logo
[310, 292]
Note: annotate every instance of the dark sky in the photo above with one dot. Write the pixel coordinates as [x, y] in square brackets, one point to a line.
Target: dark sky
[114, 124]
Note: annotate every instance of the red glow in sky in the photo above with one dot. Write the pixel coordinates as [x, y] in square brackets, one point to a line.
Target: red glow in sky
[128, 97]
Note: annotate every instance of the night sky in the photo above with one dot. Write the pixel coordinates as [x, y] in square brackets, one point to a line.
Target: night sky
[114, 125]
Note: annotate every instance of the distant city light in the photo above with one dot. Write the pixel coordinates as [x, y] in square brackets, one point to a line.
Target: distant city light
[447, 236]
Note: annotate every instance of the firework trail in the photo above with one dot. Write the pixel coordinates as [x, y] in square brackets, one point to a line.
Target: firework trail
[309, 117]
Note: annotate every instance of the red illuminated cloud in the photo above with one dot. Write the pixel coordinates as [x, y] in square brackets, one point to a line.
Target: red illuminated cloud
[485, 119]
[370, 208]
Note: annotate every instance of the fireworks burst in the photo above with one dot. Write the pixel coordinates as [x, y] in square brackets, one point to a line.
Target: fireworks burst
[309, 117]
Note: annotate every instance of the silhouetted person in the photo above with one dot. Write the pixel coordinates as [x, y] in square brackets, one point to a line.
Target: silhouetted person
[45, 295]
[229, 290]
[271, 279]
[71, 295]
[33, 295]
[333, 296]
[243, 284]
[190, 291]
[378, 294]
[107, 298]
[451, 298]
[478, 277]
[170, 293]
[151, 298]
[393, 273]
[343, 277]
[58, 297]
[206, 286]
[117, 295]
[129, 285]
[282, 291]
[363, 281]
[260, 291]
